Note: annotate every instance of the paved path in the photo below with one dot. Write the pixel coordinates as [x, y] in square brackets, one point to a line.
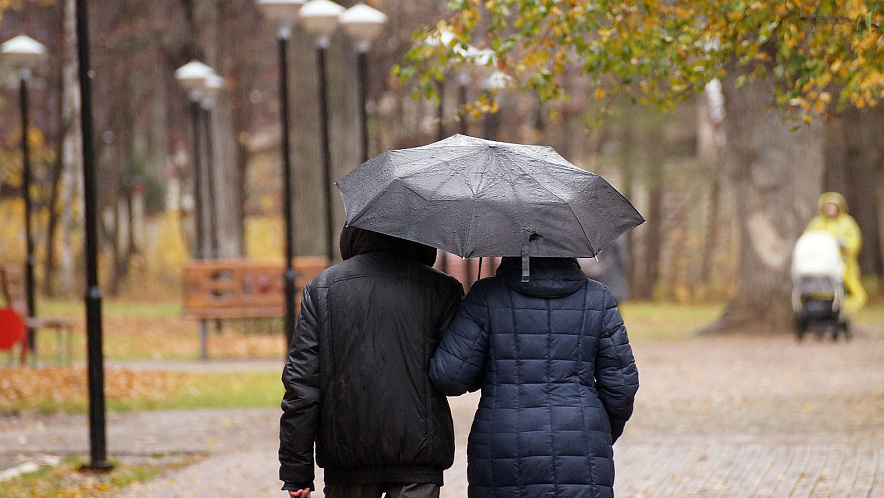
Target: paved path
[729, 417]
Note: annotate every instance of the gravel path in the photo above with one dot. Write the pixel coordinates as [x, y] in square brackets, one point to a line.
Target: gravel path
[733, 416]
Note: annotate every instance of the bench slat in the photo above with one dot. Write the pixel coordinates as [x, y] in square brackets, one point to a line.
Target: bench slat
[243, 288]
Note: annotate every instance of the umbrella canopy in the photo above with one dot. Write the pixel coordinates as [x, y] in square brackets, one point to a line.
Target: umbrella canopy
[475, 197]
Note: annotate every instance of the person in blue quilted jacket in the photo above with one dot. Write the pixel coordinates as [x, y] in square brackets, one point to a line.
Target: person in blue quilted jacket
[558, 380]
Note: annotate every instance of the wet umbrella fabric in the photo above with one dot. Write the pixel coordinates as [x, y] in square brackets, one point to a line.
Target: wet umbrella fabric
[475, 197]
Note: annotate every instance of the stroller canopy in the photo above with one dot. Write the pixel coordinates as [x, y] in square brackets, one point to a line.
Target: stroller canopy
[817, 254]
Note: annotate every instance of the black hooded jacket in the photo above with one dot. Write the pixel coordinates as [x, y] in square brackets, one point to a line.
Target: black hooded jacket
[356, 382]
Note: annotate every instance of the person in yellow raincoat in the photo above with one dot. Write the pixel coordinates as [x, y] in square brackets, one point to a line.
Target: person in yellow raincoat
[833, 218]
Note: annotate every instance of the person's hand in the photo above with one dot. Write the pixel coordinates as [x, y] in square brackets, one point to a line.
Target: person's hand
[299, 493]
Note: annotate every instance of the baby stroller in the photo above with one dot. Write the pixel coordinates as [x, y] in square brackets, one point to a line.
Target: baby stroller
[818, 290]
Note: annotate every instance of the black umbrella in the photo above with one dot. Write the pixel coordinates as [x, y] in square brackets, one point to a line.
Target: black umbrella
[474, 197]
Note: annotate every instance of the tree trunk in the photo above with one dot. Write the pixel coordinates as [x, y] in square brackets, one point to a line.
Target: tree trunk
[307, 162]
[52, 204]
[117, 156]
[72, 187]
[709, 148]
[655, 216]
[627, 169]
[854, 156]
[777, 175]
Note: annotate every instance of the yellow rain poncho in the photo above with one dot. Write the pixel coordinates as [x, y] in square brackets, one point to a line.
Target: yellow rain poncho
[845, 229]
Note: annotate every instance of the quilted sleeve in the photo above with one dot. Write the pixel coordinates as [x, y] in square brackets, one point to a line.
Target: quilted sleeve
[615, 372]
[300, 404]
[458, 363]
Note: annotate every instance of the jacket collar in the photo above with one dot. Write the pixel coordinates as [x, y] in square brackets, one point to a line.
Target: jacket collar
[550, 277]
[356, 241]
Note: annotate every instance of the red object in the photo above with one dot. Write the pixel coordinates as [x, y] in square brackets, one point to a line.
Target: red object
[12, 328]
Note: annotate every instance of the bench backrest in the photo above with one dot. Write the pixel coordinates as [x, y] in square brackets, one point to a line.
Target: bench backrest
[242, 288]
[12, 280]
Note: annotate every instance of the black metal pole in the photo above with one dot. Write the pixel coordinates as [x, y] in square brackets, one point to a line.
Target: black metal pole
[440, 135]
[197, 177]
[210, 179]
[462, 81]
[97, 433]
[362, 62]
[440, 111]
[492, 123]
[30, 260]
[214, 244]
[290, 274]
[195, 119]
[321, 52]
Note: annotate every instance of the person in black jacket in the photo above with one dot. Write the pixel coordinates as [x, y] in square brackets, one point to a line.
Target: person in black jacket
[356, 376]
[558, 381]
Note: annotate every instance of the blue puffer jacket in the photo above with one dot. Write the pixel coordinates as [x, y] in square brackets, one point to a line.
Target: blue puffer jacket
[557, 375]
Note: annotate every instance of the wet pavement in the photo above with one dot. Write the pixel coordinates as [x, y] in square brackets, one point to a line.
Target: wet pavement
[732, 417]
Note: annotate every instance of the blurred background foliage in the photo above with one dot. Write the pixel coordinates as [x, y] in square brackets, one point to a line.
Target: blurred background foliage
[675, 166]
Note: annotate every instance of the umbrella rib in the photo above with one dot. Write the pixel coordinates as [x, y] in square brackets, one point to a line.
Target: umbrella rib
[365, 208]
[576, 218]
[409, 162]
[370, 203]
[395, 178]
[473, 207]
[446, 160]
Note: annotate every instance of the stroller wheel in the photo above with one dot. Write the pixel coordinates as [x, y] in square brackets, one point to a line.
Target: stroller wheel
[800, 327]
[846, 328]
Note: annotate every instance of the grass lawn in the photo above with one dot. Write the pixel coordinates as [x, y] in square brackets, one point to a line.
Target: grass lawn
[155, 330]
[666, 320]
[67, 478]
[677, 321]
[64, 389]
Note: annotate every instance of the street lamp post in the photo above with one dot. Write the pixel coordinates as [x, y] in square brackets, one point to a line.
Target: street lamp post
[463, 83]
[95, 354]
[284, 13]
[23, 53]
[493, 84]
[363, 24]
[479, 59]
[440, 110]
[445, 38]
[442, 37]
[192, 77]
[320, 18]
[211, 88]
[213, 85]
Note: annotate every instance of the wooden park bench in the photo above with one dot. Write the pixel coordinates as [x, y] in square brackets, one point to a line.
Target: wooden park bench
[15, 292]
[217, 289]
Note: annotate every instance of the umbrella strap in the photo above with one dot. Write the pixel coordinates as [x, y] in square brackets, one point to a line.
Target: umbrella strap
[526, 261]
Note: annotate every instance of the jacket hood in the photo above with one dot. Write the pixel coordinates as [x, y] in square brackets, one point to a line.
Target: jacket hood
[834, 197]
[550, 277]
[360, 241]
